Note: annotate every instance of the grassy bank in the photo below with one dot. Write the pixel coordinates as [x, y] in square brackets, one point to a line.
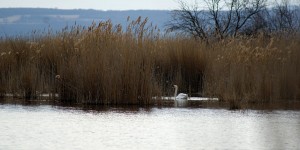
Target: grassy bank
[114, 65]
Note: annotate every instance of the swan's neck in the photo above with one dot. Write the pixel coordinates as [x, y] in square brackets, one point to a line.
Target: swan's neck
[175, 94]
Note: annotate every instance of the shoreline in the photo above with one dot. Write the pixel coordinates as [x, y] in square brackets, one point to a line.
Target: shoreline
[270, 106]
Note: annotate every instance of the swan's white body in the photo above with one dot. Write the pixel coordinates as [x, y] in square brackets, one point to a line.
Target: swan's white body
[180, 99]
[180, 96]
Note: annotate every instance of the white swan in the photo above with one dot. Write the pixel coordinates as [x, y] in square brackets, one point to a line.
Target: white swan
[180, 96]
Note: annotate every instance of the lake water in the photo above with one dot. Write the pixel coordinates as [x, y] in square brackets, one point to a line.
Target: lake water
[55, 127]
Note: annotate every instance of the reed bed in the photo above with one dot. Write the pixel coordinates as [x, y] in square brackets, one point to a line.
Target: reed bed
[108, 64]
[254, 70]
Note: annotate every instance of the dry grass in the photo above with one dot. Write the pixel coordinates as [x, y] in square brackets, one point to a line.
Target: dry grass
[254, 70]
[110, 65]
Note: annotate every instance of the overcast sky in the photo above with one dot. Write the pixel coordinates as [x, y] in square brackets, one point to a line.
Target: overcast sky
[97, 4]
[93, 4]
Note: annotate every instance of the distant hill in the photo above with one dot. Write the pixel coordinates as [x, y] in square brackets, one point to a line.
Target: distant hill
[22, 21]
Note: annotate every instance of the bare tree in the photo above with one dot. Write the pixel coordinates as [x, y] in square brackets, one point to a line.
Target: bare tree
[285, 17]
[244, 10]
[259, 23]
[282, 17]
[190, 20]
[223, 17]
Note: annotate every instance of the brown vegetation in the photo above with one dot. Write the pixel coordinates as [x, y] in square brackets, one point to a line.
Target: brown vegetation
[255, 70]
[108, 65]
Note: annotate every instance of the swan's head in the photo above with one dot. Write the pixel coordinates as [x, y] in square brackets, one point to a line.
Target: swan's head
[175, 86]
[57, 77]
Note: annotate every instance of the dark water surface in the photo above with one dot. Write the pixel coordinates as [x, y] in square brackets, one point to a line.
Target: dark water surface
[55, 127]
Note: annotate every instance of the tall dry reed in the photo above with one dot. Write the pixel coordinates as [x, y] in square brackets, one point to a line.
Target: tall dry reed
[254, 70]
[112, 65]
